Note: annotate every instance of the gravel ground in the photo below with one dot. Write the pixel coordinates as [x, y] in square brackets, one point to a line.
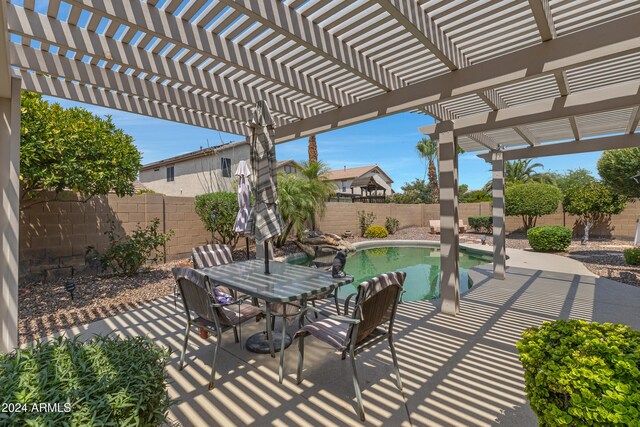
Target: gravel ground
[47, 308]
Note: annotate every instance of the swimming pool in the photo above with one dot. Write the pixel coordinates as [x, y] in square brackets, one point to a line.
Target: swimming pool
[421, 263]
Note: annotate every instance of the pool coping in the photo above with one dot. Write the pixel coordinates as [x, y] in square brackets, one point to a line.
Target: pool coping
[403, 243]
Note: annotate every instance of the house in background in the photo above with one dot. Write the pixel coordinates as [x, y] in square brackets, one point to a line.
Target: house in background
[361, 182]
[206, 170]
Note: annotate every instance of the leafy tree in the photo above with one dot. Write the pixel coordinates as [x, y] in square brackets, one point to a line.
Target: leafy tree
[574, 178]
[531, 201]
[73, 149]
[297, 205]
[591, 203]
[319, 188]
[428, 151]
[522, 172]
[475, 196]
[617, 167]
[462, 190]
[414, 192]
[218, 212]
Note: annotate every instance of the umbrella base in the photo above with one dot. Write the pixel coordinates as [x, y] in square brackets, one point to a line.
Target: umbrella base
[258, 343]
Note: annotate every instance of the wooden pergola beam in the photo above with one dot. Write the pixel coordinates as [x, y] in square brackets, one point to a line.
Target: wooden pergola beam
[610, 98]
[573, 147]
[542, 15]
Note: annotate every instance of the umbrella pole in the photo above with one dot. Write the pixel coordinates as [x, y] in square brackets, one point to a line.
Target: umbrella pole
[266, 257]
[247, 244]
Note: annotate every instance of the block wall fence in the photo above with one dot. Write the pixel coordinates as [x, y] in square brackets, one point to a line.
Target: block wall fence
[54, 236]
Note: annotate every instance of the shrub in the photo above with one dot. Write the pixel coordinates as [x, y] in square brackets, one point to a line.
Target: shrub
[481, 223]
[391, 224]
[582, 373]
[218, 212]
[376, 231]
[128, 254]
[632, 256]
[531, 201]
[104, 381]
[365, 220]
[549, 238]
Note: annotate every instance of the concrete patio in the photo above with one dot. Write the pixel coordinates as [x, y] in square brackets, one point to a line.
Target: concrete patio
[460, 370]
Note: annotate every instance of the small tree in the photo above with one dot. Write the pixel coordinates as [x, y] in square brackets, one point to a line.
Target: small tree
[592, 203]
[617, 167]
[73, 149]
[531, 201]
[218, 213]
[297, 205]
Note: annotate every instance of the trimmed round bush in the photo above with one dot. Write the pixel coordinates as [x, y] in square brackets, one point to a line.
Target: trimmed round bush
[581, 373]
[376, 231]
[106, 380]
[481, 223]
[632, 256]
[549, 238]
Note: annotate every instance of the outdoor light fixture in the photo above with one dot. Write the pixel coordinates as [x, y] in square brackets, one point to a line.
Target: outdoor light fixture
[70, 286]
[483, 239]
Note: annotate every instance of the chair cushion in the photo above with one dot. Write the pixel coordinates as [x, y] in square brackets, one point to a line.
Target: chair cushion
[330, 331]
[246, 312]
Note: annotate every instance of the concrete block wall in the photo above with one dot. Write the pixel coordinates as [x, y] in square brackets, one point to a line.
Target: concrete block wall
[54, 236]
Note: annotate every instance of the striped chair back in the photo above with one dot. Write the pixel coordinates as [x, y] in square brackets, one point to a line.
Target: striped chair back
[211, 255]
[377, 302]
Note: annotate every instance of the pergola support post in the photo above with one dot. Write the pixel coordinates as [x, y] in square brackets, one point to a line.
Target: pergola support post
[449, 238]
[9, 216]
[499, 253]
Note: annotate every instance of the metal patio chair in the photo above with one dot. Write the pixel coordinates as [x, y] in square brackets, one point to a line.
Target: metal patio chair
[370, 323]
[198, 298]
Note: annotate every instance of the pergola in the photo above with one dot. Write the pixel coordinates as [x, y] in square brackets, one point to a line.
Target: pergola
[509, 78]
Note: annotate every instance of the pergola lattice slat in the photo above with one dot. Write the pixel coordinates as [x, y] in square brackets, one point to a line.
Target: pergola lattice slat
[40, 27]
[283, 20]
[165, 26]
[58, 66]
[604, 41]
[89, 95]
[411, 16]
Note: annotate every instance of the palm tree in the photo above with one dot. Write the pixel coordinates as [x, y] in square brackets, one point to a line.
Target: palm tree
[312, 148]
[523, 172]
[428, 152]
[296, 205]
[319, 188]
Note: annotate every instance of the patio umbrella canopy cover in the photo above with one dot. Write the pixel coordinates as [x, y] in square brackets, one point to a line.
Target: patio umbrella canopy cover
[244, 201]
[265, 221]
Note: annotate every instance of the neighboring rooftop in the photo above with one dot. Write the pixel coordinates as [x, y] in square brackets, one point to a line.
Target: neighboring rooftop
[351, 173]
[202, 152]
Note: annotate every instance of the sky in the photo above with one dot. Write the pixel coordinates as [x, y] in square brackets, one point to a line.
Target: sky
[388, 142]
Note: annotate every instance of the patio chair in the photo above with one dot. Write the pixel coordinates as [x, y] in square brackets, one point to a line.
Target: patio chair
[211, 255]
[434, 226]
[370, 323]
[214, 317]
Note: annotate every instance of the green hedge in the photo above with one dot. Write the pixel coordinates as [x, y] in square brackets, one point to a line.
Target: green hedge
[481, 223]
[376, 231]
[104, 381]
[579, 373]
[549, 238]
[632, 256]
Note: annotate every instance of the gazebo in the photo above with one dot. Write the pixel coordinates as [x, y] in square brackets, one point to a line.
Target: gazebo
[370, 186]
[508, 79]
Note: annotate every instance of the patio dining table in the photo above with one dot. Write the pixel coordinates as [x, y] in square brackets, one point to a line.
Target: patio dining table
[286, 283]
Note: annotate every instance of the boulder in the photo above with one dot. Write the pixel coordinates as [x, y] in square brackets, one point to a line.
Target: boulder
[307, 249]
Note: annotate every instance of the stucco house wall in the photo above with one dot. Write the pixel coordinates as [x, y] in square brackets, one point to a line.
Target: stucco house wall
[196, 175]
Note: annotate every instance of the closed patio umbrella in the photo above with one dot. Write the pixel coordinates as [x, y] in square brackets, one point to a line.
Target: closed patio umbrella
[265, 221]
[244, 201]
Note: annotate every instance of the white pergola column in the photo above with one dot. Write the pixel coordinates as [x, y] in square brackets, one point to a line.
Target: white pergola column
[9, 214]
[499, 254]
[449, 239]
